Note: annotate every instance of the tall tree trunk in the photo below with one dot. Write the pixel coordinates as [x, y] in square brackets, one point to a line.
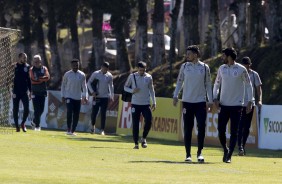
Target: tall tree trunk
[52, 38]
[73, 29]
[173, 29]
[141, 38]
[3, 21]
[256, 29]
[40, 33]
[191, 22]
[158, 34]
[122, 56]
[242, 25]
[213, 39]
[97, 56]
[26, 29]
[275, 25]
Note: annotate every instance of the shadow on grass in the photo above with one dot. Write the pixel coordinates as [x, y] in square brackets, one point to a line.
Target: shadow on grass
[170, 162]
[251, 152]
[106, 147]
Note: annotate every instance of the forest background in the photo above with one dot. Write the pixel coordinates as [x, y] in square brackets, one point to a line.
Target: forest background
[64, 29]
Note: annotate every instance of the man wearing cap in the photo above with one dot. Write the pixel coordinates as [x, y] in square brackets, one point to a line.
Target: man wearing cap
[39, 76]
[194, 76]
[142, 90]
[101, 87]
[246, 118]
[233, 79]
[73, 92]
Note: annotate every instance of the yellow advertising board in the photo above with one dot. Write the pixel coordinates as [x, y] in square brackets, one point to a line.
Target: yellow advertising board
[168, 124]
[165, 123]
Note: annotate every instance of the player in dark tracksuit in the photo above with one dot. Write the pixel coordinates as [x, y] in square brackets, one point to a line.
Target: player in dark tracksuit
[39, 75]
[20, 90]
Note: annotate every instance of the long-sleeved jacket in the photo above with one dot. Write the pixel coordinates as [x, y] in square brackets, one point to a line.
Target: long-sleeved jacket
[21, 79]
[145, 84]
[233, 81]
[104, 87]
[74, 85]
[197, 82]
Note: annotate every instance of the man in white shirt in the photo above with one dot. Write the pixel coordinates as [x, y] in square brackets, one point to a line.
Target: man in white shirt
[101, 87]
[233, 79]
[73, 92]
[142, 90]
[194, 76]
[246, 118]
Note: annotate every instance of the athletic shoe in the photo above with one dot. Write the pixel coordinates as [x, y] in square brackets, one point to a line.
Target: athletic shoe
[68, 133]
[188, 159]
[228, 159]
[23, 127]
[102, 132]
[18, 129]
[37, 129]
[136, 146]
[241, 152]
[225, 155]
[73, 134]
[200, 158]
[144, 143]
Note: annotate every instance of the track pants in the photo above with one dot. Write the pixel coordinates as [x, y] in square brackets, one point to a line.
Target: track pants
[73, 110]
[16, 103]
[190, 111]
[38, 106]
[136, 111]
[233, 113]
[102, 104]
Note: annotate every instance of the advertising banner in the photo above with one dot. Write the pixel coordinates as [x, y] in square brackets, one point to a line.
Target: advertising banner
[54, 115]
[165, 123]
[270, 130]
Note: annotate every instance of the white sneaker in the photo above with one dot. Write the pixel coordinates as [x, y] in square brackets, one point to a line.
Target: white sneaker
[144, 143]
[37, 129]
[201, 158]
[68, 133]
[73, 134]
[188, 159]
[102, 132]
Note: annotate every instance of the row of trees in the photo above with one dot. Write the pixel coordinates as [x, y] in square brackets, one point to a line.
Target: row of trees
[35, 16]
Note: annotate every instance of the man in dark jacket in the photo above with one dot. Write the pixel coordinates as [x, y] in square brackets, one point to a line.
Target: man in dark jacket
[20, 90]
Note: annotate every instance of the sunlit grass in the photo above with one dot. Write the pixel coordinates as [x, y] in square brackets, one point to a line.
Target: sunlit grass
[53, 157]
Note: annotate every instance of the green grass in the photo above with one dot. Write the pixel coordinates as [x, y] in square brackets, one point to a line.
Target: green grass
[53, 157]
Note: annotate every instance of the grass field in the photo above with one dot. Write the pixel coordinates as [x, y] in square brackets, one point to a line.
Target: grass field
[53, 157]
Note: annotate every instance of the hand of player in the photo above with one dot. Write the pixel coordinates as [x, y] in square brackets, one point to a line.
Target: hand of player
[175, 100]
[153, 107]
